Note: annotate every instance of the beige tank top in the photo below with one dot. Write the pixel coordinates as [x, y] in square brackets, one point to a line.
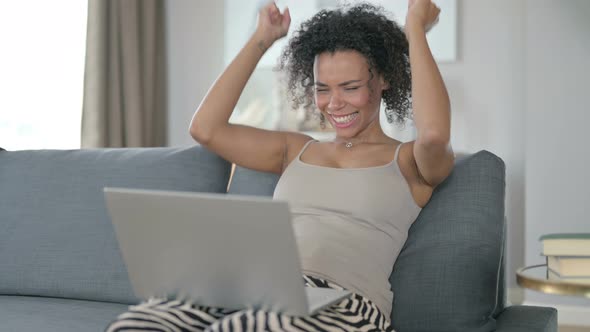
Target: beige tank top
[350, 223]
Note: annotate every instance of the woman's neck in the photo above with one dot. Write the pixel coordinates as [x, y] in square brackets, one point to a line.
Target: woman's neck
[373, 135]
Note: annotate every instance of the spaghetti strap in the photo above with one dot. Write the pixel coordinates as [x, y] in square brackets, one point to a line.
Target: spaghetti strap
[304, 147]
[397, 152]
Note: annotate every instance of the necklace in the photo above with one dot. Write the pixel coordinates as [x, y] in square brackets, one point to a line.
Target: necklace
[351, 143]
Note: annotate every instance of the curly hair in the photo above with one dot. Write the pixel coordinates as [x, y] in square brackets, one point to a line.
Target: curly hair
[363, 28]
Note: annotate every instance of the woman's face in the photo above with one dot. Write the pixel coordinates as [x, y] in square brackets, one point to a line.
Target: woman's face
[346, 92]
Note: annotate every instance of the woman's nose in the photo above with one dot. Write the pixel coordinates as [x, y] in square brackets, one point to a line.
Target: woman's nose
[335, 102]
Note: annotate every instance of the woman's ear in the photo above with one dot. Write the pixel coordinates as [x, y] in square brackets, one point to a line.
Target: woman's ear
[384, 84]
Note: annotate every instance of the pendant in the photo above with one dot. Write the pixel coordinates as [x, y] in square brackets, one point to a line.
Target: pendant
[348, 145]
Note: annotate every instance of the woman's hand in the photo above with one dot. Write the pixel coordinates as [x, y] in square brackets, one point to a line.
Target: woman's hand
[422, 14]
[272, 24]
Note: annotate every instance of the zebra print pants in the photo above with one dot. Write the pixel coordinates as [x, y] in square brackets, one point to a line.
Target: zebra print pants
[355, 313]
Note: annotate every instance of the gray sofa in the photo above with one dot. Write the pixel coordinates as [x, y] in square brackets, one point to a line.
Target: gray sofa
[60, 268]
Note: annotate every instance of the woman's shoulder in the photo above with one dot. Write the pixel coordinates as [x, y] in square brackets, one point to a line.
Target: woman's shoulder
[294, 143]
[296, 140]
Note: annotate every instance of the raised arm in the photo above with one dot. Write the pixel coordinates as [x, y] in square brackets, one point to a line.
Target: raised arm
[258, 149]
[430, 101]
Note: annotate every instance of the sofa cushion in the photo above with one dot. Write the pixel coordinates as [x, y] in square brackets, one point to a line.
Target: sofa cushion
[56, 238]
[249, 182]
[23, 313]
[520, 318]
[447, 276]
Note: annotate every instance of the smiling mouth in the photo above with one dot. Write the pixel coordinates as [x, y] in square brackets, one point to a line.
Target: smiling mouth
[344, 118]
[344, 121]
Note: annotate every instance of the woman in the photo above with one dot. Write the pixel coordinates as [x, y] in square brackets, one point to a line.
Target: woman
[353, 199]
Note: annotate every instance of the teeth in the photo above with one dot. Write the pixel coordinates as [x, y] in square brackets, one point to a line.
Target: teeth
[345, 119]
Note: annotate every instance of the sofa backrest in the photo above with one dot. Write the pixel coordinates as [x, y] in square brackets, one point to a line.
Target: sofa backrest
[249, 182]
[449, 275]
[56, 238]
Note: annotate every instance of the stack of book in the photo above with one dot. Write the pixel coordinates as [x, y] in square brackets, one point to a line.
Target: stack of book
[568, 256]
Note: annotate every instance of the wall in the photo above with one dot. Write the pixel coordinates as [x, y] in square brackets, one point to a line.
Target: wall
[520, 90]
[486, 87]
[194, 39]
[557, 188]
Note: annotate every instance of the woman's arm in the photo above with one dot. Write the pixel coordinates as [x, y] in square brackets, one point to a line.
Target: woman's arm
[254, 148]
[430, 101]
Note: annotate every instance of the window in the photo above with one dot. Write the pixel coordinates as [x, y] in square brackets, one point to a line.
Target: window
[42, 73]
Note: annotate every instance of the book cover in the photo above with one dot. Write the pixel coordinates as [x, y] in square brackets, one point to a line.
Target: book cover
[565, 236]
[551, 275]
[567, 266]
[566, 244]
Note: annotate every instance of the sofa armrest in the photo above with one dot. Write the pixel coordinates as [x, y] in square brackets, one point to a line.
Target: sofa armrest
[522, 318]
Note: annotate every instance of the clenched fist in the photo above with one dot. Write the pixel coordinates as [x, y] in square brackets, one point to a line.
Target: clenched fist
[272, 24]
[422, 14]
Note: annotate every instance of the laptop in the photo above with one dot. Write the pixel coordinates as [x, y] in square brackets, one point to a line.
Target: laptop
[216, 250]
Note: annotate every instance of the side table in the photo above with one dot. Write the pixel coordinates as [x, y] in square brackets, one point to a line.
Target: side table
[535, 277]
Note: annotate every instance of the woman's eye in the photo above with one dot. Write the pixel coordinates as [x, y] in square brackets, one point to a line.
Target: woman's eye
[321, 90]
